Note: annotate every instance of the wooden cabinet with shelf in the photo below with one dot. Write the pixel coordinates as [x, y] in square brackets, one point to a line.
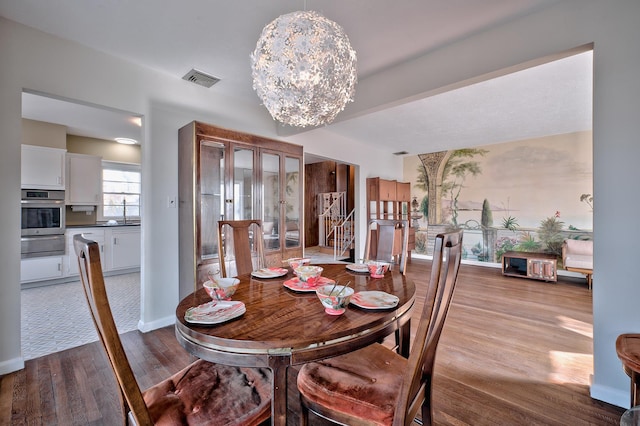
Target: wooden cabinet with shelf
[537, 266]
[229, 175]
[390, 199]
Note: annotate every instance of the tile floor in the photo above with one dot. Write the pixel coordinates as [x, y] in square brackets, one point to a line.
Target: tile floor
[56, 317]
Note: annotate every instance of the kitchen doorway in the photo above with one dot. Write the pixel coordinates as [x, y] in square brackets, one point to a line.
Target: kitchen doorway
[54, 315]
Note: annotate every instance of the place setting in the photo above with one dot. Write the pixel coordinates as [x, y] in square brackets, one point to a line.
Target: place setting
[274, 272]
[308, 278]
[221, 308]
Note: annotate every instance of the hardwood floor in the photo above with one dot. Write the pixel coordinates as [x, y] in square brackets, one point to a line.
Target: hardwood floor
[513, 352]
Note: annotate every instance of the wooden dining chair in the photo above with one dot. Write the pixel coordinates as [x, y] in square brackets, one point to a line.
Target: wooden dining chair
[203, 393]
[374, 385]
[389, 239]
[241, 246]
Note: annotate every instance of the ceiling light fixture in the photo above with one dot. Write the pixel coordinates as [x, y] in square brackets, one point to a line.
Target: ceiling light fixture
[304, 69]
[126, 141]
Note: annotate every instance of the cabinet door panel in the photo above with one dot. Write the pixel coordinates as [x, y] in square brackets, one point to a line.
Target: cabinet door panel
[40, 268]
[293, 225]
[212, 196]
[403, 191]
[387, 189]
[42, 168]
[125, 249]
[271, 200]
[244, 183]
[84, 179]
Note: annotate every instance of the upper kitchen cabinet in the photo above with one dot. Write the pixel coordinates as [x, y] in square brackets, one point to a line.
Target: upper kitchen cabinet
[84, 179]
[229, 175]
[42, 167]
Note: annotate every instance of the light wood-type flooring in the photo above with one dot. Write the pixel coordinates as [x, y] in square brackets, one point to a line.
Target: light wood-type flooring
[514, 352]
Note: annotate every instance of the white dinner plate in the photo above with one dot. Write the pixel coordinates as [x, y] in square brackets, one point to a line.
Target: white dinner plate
[269, 272]
[358, 267]
[374, 299]
[215, 312]
[296, 285]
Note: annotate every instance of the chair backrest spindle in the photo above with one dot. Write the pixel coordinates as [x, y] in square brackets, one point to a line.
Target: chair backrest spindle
[417, 380]
[391, 240]
[240, 242]
[92, 279]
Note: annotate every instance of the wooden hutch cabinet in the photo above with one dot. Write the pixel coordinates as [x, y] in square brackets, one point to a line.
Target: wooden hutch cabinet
[228, 175]
[390, 199]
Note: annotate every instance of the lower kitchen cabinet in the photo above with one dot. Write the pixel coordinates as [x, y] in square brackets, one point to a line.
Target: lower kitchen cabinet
[41, 268]
[95, 234]
[123, 248]
[120, 252]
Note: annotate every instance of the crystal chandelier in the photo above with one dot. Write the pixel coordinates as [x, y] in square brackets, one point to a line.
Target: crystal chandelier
[304, 69]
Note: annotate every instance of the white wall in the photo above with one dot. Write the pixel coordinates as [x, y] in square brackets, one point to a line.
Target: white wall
[35, 61]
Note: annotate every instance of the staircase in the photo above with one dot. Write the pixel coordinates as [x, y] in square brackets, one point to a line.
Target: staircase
[335, 226]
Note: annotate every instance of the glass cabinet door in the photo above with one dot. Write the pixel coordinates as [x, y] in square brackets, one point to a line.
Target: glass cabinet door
[243, 185]
[271, 206]
[292, 194]
[212, 196]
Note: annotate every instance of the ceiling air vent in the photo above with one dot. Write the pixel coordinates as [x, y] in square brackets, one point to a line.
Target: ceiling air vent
[201, 78]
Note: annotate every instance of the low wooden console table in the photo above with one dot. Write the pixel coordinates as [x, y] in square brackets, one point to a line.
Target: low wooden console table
[537, 266]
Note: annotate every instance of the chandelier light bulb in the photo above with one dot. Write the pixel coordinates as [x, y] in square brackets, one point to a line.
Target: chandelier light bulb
[304, 69]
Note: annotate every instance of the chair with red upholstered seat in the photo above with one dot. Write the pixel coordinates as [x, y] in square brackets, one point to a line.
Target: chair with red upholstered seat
[375, 385]
[201, 394]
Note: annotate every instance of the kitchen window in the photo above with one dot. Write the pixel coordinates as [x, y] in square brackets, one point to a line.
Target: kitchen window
[121, 185]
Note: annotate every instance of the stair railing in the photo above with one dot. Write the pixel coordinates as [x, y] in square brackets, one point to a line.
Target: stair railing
[343, 236]
[333, 208]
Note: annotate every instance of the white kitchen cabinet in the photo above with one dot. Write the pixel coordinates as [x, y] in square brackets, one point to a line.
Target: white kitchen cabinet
[41, 268]
[42, 167]
[71, 260]
[84, 179]
[120, 252]
[123, 247]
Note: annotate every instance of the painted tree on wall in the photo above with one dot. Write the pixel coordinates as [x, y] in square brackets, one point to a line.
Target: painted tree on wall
[455, 172]
[422, 182]
[486, 220]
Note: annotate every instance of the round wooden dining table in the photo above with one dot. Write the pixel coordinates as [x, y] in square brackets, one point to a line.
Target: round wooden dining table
[282, 327]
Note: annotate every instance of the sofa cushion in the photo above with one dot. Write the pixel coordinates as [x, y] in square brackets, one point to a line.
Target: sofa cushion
[578, 261]
[580, 247]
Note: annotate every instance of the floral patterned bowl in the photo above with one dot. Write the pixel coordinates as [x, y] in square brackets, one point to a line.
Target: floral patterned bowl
[296, 262]
[334, 298]
[308, 273]
[221, 288]
[378, 269]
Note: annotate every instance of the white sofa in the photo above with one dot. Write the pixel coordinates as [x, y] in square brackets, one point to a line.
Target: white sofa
[577, 256]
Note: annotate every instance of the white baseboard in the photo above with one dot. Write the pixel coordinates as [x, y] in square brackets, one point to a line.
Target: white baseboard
[610, 395]
[11, 365]
[145, 327]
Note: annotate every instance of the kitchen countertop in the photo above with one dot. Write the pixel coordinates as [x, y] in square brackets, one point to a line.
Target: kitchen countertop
[102, 225]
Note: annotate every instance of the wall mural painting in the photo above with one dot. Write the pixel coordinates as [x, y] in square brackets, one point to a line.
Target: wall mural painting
[527, 195]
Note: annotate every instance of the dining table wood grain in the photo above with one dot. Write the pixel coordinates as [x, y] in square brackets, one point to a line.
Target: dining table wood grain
[282, 327]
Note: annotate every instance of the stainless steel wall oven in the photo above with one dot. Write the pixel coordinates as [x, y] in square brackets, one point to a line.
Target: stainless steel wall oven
[43, 223]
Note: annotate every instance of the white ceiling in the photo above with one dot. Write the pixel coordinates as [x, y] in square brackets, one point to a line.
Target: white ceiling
[217, 36]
